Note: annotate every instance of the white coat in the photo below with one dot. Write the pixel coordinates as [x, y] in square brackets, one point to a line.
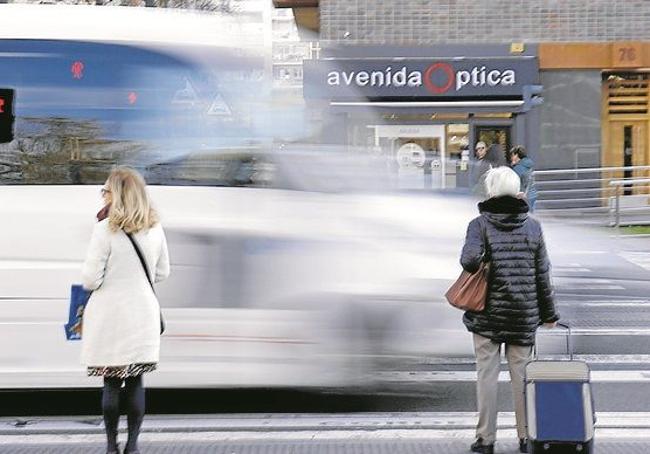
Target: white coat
[121, 323]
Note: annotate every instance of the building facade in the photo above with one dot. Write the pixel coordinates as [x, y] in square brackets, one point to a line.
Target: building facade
[586, 106]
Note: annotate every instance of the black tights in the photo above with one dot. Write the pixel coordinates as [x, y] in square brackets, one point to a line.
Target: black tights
[134, 408]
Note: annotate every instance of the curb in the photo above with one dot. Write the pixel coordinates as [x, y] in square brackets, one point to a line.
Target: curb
[293, 423]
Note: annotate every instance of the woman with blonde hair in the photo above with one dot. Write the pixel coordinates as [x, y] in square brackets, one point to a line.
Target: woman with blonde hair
[520, 297]
[122, 321]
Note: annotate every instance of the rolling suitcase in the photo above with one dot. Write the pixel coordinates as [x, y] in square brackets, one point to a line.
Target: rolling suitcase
[560, 413]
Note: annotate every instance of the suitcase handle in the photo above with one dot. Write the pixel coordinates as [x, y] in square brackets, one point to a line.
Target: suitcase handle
[569, 341]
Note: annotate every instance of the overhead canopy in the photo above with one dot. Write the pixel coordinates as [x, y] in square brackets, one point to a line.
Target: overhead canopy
[306, 13]
[295, 3]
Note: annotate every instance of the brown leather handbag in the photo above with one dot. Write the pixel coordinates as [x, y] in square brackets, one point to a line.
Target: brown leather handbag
[469, 292]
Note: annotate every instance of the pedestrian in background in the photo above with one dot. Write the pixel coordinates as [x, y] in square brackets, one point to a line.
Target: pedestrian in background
[520, 297]
[121, 323]
[478, 170]
[518, 159]
[487, 157]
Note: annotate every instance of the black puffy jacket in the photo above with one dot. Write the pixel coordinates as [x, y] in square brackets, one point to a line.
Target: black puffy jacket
[520, 296]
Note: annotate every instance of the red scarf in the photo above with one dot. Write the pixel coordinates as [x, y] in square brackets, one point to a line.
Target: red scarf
[103, 213]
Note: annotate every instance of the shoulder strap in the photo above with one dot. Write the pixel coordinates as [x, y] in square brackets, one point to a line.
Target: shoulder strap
[141, 257]
[486, 246]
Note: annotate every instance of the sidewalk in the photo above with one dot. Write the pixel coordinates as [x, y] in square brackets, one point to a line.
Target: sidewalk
[380, 433]
[378, 442]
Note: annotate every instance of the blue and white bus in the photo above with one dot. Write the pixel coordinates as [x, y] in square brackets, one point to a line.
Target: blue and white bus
[270, 286]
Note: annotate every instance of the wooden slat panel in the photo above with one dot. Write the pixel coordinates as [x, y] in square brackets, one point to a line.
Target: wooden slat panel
[627, 91]
[628, 99]
[628, 117]
[636, 108]
[624, 83]
[628, 87]
[623, 97]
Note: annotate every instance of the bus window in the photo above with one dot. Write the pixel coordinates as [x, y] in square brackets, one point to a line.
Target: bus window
[82, 108]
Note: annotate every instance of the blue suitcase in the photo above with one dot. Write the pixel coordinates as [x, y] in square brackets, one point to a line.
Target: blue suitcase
[560, 413]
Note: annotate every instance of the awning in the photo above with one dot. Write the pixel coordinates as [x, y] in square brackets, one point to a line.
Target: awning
[468, 106]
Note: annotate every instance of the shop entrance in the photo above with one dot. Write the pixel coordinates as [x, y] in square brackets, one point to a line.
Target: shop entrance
[626, 115]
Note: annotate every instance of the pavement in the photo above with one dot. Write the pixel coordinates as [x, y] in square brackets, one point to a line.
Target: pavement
[389, 433]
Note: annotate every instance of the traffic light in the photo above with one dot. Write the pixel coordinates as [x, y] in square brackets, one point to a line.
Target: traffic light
[532, 96]
[6, 115]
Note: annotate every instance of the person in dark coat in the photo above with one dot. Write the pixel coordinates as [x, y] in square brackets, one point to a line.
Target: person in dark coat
[519, 161]
[520, 297]
[479, 169]
[487, 157]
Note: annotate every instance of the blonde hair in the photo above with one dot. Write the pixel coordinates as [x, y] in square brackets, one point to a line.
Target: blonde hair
[130, 209]
[501, 181]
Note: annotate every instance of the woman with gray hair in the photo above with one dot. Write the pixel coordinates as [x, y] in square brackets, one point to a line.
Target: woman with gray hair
[520, 297]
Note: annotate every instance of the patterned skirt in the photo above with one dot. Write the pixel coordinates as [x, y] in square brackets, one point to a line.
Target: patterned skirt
[131, 370]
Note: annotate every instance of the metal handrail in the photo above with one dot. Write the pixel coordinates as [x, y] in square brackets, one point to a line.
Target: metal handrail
[565, 191]
[591, 169]
[618, 184]
[573, 192]
[573, 180]
[581, 199]
[632, 181]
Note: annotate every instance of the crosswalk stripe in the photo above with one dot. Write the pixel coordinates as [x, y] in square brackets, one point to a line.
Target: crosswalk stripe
[590, 287]
[598, 376]
[641, 259]
[614, 359]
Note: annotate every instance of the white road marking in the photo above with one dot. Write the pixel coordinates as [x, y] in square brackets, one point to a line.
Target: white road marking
[591, 359]
[571, 268]
[589, 287]
[585, 280]
[605, 303]
[598, 376]
[566, 269]
[585, 283]
[641, 259]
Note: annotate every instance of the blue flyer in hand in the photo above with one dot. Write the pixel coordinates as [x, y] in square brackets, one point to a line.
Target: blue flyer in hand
[78, 300]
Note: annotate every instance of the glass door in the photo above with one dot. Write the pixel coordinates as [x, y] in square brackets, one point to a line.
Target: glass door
[497, 139]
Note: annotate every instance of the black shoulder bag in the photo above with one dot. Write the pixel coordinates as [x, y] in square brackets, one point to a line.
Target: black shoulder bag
[146, 272]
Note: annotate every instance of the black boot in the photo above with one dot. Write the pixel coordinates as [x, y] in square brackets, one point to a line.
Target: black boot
[479, 447]
[523, 445]
[111, 411]
[135, 400]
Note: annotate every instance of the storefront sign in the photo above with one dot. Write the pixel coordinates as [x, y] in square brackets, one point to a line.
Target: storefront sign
[418, 78]
[412, 131]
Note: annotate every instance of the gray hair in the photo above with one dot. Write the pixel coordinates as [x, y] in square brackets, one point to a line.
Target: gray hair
[501, 181]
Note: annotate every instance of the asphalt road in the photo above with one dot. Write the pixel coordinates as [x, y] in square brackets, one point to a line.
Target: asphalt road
[602, 287]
